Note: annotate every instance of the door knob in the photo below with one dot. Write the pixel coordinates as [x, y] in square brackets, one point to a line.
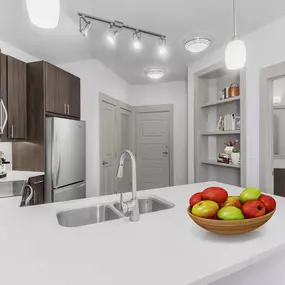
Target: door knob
[166, 152]
[105, 162]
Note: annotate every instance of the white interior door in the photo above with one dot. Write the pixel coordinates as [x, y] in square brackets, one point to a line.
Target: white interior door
[153, 151]
[125, 121]
[108, 146]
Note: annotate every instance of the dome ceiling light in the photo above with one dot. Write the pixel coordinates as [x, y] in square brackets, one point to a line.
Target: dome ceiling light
[235, 55]
[155, 73]
[44, 13]
[197, 45]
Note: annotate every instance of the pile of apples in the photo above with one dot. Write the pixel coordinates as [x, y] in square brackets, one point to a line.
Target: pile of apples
[214, 203]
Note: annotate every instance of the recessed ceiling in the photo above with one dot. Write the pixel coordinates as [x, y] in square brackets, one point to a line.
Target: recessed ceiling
[179, 20]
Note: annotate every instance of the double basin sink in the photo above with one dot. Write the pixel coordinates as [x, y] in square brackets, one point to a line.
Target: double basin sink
[108, 212]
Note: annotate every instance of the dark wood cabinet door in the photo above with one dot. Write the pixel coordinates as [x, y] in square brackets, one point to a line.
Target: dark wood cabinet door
[74, 97]
[3, 91]
[64, 89]
[51, 88]
[279, 182]
[37, 183]
[17, 98]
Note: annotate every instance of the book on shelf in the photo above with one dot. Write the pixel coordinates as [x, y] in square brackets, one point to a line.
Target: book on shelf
[229, 122]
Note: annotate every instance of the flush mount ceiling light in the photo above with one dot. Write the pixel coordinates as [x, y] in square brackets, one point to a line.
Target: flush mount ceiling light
[155, 73]
[44, 13]
[137, 41]
[235, 55]
[115, 28]
[84, 29]
[197, 45]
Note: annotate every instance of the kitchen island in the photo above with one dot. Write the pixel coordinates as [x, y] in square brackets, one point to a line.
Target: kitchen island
[164, 247]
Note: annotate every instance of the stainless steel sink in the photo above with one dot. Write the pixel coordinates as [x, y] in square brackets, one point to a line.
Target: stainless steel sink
[88, 215]
[148, 205]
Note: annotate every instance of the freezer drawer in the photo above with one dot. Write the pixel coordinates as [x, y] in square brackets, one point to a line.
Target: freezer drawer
[72, 192]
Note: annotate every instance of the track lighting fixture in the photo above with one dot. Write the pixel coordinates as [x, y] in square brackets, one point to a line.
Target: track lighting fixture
[162, 49]
[84, 29]
[114, 30]
[137, 40]
[112, 34]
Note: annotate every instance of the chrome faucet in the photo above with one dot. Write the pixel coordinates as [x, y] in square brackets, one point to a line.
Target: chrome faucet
[132, 205]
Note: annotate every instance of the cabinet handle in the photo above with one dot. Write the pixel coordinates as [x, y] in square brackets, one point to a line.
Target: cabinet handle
[12, 131]
[38, 182]
[67, 109]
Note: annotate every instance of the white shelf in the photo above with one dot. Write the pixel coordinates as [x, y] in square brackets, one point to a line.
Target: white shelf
[221, 133]
[218, 102]
[213, 162]
[276, 107]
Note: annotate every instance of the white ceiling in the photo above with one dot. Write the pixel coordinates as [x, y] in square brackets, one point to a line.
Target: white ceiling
[178, 20]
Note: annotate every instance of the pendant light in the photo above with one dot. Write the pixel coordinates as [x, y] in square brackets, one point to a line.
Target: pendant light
[235, 56]
[44, 13]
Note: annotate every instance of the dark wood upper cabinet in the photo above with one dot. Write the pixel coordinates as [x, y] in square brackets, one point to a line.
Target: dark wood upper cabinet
[61, 90]
[64, 89]
[51, 87]
[16, 98]
[74, 99]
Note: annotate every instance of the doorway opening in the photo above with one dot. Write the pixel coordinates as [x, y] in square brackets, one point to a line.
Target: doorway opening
[145, 130]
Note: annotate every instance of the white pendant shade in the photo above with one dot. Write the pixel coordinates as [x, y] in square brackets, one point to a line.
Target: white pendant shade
[235, 55]
[44, 13]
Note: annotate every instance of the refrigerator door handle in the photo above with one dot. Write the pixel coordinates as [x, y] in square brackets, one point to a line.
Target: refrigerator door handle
[56, 160]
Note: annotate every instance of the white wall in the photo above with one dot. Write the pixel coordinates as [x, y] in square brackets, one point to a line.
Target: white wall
[14, 52]
[95, 78]
[265, 47]
[169, 93]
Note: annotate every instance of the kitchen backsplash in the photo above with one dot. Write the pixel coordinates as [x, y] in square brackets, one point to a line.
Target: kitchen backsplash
[6, 147]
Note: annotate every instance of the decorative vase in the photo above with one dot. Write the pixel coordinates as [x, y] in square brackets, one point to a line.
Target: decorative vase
[235, 158]
[228, 150]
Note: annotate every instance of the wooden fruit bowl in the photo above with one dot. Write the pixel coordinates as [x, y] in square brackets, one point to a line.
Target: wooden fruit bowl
[230, 227]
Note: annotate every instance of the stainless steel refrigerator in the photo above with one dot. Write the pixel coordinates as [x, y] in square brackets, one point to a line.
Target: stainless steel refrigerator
[65, 160]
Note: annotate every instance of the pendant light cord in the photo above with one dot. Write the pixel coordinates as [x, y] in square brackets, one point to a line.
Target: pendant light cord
[235, 19]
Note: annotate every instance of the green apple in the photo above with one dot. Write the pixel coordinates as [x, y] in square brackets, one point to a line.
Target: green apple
[230, 213]
[205, 209]
[249, 194]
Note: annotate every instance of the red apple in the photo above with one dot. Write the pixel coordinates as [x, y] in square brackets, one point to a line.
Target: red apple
[232, 201]
[253, 209]
[196, 198]
[216, 194]
[268, 201]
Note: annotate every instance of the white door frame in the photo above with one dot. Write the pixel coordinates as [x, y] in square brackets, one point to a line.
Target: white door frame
[160, 108]
[266, 152]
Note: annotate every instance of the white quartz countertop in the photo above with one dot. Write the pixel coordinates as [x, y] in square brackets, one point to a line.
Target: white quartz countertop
[14, 175]
[164, 247]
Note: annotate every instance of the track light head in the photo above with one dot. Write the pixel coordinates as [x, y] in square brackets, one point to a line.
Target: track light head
[84, 26]
[112, 34]
[162, 49]
[137, 43]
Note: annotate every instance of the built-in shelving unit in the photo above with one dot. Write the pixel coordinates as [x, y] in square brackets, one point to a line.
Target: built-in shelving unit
[209, 140]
